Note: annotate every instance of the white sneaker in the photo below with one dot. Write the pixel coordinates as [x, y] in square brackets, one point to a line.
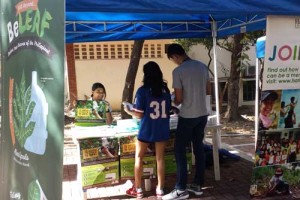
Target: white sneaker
[159, 193]
[176, 194]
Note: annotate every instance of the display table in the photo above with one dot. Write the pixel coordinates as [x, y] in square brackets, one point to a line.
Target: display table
[114, 133]
[216, 143]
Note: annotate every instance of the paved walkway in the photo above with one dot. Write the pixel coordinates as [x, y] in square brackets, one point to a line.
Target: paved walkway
[234, 183]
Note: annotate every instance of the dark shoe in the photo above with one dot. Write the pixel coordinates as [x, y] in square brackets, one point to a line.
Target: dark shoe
[196, 189]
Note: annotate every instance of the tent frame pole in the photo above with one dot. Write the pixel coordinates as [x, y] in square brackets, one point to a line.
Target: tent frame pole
[214, 37]
[256, 98]
[216, 134]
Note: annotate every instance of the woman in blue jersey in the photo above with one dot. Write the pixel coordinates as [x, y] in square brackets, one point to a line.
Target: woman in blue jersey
[152, 105]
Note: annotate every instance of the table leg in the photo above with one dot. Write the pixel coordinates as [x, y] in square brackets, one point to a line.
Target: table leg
[84, 194]
[216, 145]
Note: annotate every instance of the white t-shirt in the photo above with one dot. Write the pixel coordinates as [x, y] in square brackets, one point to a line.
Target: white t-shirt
[271, 160]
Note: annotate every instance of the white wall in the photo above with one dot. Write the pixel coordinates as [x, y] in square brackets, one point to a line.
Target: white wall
[223, 58]
[112, 74]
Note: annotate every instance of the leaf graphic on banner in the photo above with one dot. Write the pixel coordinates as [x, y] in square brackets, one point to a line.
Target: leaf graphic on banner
[23, 109]
[34, 192]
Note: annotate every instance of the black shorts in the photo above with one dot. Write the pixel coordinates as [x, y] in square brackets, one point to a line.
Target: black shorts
[144, 141]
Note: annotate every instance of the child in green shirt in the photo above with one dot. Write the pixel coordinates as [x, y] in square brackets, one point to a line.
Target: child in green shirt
[101, 107]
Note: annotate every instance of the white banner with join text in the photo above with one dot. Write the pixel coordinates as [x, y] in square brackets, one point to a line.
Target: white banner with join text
[282, 58]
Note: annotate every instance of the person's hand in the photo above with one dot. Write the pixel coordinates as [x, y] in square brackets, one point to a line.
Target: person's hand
[126, 109]
[105, 151]
[174, 110]
[96, 114]
[127, 106]
[172, 96]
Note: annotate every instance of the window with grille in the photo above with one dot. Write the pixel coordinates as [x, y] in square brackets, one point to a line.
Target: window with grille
[114, 51]
[158, 51]
[77, 53]
[249, 90]
[105, 51]
[98, 51]
[221, 88]
[126, 51]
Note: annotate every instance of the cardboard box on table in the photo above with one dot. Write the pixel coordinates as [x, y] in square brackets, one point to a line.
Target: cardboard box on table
[170, 161]
[84, 113]
[99, 161]
[127, 159]
[98, 156]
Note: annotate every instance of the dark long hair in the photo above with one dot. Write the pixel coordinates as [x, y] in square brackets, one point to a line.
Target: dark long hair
[98, 85]
[153, 78]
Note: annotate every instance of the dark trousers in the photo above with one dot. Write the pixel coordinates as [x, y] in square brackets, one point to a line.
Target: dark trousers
[190, 130]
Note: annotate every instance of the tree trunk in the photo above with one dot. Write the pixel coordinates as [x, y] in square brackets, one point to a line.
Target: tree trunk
[131, 75]
[221, 99]
[234, 79]
[221, 95]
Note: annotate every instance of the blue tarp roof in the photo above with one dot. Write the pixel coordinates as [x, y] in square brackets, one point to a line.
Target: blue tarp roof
[107, 20]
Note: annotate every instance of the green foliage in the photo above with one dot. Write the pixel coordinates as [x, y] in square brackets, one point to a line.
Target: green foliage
[84, 104]
[207, 42]
[247, 41]
[292, 177]
[23, 109]
[262, 175]
[225, 43]
[34, 192]
[187, 43]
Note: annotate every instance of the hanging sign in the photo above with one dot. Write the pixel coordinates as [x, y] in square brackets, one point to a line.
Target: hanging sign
[282, 56]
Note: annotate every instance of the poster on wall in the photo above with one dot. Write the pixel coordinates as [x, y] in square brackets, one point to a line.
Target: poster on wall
[32, 99]
[276, 170]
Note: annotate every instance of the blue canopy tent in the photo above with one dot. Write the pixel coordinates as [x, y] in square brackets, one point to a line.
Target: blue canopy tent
[111, 20]
[106, 20]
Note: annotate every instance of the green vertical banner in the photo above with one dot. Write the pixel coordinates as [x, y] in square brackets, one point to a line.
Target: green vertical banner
[32, 51]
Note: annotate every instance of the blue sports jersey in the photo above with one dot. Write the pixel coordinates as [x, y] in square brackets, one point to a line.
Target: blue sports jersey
[154, 126]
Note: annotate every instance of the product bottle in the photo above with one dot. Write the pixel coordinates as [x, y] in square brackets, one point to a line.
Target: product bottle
[36, 143]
